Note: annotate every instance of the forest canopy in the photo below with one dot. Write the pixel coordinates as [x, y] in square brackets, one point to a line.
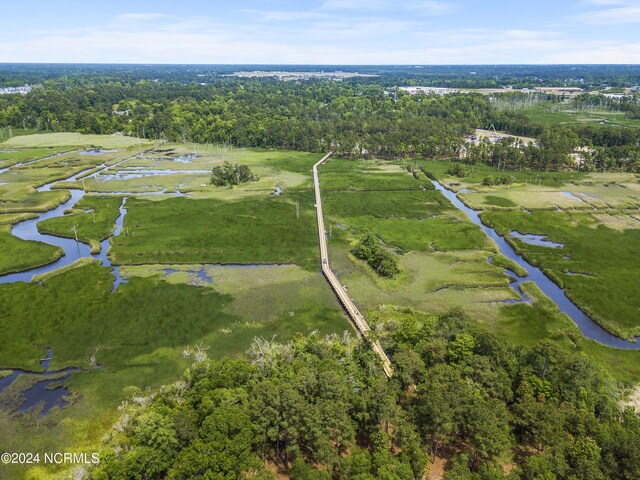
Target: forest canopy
[320, 408]
[364, 117]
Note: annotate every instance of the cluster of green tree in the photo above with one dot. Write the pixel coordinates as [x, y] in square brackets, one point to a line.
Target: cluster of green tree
[511, 154]
[631, 106]
[497, 180]
[628, 103]
[230, 175]
[381, 260]
[615, 149]
[543, 411]
[360, 117]
[609, 147]
[312, 402]
[349, 118]
[458, 170]
[463, 76]
[321, 409]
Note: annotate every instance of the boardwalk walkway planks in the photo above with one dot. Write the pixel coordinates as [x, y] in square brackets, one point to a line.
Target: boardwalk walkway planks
[350, 307]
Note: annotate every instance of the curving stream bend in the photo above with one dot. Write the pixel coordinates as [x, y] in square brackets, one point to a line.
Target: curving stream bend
[587, 326]
[73, 250]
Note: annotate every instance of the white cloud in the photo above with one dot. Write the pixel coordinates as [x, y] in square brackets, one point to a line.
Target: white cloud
[356, 4]
[611, 12]
[320, 37]
[599, 52]
[423, 7]
[611, 2]
[141, 17]
[433, 8]
[284, 15]
[611, 16]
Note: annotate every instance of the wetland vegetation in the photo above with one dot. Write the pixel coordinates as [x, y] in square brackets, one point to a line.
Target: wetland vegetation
[382, 261]
[223, 328]
[230, 175]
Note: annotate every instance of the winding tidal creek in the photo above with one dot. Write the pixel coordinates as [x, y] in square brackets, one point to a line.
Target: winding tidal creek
[587, 326]
[73, 250]
[48, 389]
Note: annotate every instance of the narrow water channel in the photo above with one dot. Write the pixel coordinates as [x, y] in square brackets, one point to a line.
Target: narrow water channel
[73, 250]
[587, 326]
[28, 230]
[47, 389]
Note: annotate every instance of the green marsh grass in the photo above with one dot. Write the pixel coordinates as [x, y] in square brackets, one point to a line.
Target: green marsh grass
[17, 255]
[605, 259]
[249, 230]
[94, 216]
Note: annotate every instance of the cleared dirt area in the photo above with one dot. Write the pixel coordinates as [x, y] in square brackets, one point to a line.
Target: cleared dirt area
[496, 137]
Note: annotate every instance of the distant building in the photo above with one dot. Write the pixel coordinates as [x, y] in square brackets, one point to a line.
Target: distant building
[580, 155]
[13, 90]
[558, 90]
[336, 76]
[616, 96]
[414, 90]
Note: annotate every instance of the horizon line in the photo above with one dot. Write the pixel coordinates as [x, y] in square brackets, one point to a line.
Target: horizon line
[338, 64]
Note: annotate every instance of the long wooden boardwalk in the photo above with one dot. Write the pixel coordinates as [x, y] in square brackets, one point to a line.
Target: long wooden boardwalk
[350, 307]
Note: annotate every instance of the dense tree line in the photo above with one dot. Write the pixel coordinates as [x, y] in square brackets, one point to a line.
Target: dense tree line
[354, 118]
[563, 148]
[320, 408]
[459, 76]
[552, 152]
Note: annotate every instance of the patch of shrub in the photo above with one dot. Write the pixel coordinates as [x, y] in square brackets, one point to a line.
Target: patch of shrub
[458, 170]
[382, 261]
[492, 180]
[230, 175]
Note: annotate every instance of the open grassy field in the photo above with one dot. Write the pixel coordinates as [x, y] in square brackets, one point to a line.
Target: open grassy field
[253, 288]
[249, 230]
[443, 256]
[594, 215]
[147, 313]
[18, 184]
[180, 256]
[11, 218]
[10, 157]
[20, 198]
[410, 220]
[133, 339]
[479, 172]
[598, 266]
[550, 114]
[369, 175]
[50, 169]
[585, 195]
[178, 169]
[73, 139]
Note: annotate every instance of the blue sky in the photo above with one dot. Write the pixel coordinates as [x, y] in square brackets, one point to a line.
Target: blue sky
[322, 32]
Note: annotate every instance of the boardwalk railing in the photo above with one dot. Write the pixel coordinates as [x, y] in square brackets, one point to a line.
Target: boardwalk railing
[350, 307]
